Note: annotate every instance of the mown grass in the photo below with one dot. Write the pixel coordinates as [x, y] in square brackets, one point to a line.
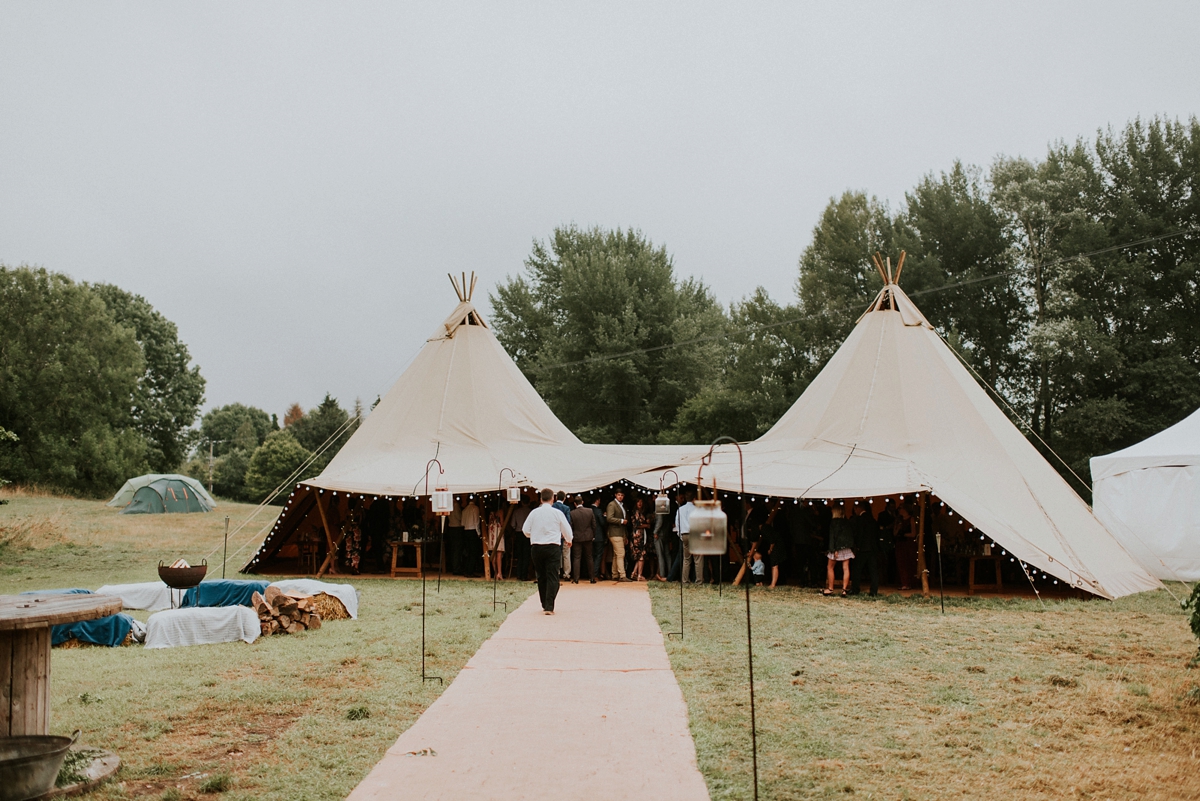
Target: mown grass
[289, 717]
[888, 698]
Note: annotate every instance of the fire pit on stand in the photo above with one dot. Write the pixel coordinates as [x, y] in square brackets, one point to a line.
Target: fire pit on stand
[181, 576]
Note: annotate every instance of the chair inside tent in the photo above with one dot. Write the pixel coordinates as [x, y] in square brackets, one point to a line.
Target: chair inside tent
[166, 495]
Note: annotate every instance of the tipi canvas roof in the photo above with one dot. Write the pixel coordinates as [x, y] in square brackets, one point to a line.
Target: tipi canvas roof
[894, 411]
[464, 401]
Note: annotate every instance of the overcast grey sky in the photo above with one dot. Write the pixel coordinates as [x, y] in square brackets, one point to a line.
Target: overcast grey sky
[290, 182]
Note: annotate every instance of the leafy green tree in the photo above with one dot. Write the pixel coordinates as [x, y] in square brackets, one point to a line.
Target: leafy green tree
[220, 428]
[954, 236]
[837, 278]
[597, 323]
[69, 380]
[1113, 352]
[169, 392]
[315, 428]
[272, 463]
[765, 368]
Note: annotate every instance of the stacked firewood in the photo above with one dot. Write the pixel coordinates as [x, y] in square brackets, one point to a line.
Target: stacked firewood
[282, 612]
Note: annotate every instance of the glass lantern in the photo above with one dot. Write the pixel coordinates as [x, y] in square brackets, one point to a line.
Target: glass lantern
[513, 494]
[662, 504]
[443, 502]
[708, 529]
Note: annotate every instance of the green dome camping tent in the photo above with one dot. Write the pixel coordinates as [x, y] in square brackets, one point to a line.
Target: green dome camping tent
[157, 493]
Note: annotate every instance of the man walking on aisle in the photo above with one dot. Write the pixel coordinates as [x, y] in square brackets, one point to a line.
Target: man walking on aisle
[546, 528]
[617, 522]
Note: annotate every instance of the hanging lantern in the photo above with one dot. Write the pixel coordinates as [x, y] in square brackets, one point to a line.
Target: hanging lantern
[662, 504]
[513, 494]
[443, 502]
[708, 529]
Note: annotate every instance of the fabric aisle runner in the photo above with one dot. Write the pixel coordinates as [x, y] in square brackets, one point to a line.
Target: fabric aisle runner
[578, 705]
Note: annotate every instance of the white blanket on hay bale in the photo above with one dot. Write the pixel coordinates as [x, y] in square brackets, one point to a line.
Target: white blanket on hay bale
[150, 595]
[343, 592]
[202, 626]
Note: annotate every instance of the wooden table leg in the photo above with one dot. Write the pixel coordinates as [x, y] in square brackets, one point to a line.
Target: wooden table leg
[971, 578]
[395, 552]
[420, 565]
[25, 682]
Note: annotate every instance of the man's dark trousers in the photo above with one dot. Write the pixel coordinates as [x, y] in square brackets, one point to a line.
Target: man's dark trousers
[581, 551]
[547, 562]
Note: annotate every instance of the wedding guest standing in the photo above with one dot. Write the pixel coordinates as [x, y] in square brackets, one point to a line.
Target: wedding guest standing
[841, 544]
[617, 521]
[583, 526]
[637, 539]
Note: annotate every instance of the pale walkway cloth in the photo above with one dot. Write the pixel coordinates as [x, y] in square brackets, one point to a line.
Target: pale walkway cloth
[343, 592]
[202, 626]
[577, 706]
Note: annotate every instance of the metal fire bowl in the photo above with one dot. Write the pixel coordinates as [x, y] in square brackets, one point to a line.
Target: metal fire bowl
[182, 578]
[29, 765]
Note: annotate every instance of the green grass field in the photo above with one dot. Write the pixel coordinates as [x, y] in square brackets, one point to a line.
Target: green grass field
[890, 699]
[861, 698]
[289, 717]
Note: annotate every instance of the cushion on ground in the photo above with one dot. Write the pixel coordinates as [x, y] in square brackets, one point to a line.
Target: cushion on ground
[150, 595]
[201, 626]
[343, 592]
[111, 631]
[223, 592]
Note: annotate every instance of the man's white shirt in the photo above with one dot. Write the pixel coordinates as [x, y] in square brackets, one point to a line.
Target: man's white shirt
[546, 526]
[682, 519]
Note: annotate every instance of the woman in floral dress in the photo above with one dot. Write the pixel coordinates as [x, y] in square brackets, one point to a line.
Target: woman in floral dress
[637, 539]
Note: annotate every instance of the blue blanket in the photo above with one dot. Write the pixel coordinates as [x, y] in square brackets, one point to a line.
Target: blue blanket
[110, 631]
[223, 592]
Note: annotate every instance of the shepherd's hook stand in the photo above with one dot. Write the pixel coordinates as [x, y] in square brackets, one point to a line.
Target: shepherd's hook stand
[424, 677]
[226, 552]
[941, 589]
[706, 460]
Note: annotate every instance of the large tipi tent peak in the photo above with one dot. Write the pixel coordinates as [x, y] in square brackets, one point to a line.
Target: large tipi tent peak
[464, 313]
[892, 297]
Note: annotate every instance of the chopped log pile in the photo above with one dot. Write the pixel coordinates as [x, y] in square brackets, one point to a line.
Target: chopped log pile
[282, 612]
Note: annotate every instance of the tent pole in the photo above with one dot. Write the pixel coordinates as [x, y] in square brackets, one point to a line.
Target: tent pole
[921, 567]
[329, 558]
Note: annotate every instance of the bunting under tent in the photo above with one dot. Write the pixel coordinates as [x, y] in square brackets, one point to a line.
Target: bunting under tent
[1148, 496]
[895, 413]
[464, 403]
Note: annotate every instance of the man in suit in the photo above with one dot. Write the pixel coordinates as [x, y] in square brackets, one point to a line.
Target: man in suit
[600, 542]
[866, 549]
[583, 525]
[617, 522]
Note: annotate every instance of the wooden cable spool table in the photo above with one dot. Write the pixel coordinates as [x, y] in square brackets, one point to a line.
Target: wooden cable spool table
[25, 623]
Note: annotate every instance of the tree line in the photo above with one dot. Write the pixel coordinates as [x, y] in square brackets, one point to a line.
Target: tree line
[96, 387]
[1069, 284]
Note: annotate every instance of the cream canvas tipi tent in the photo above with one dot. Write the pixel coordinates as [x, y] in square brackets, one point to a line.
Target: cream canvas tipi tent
[464, 402]
[894, 411]
[1148, 496]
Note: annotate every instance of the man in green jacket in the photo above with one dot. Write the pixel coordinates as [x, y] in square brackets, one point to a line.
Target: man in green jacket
[617, 522]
